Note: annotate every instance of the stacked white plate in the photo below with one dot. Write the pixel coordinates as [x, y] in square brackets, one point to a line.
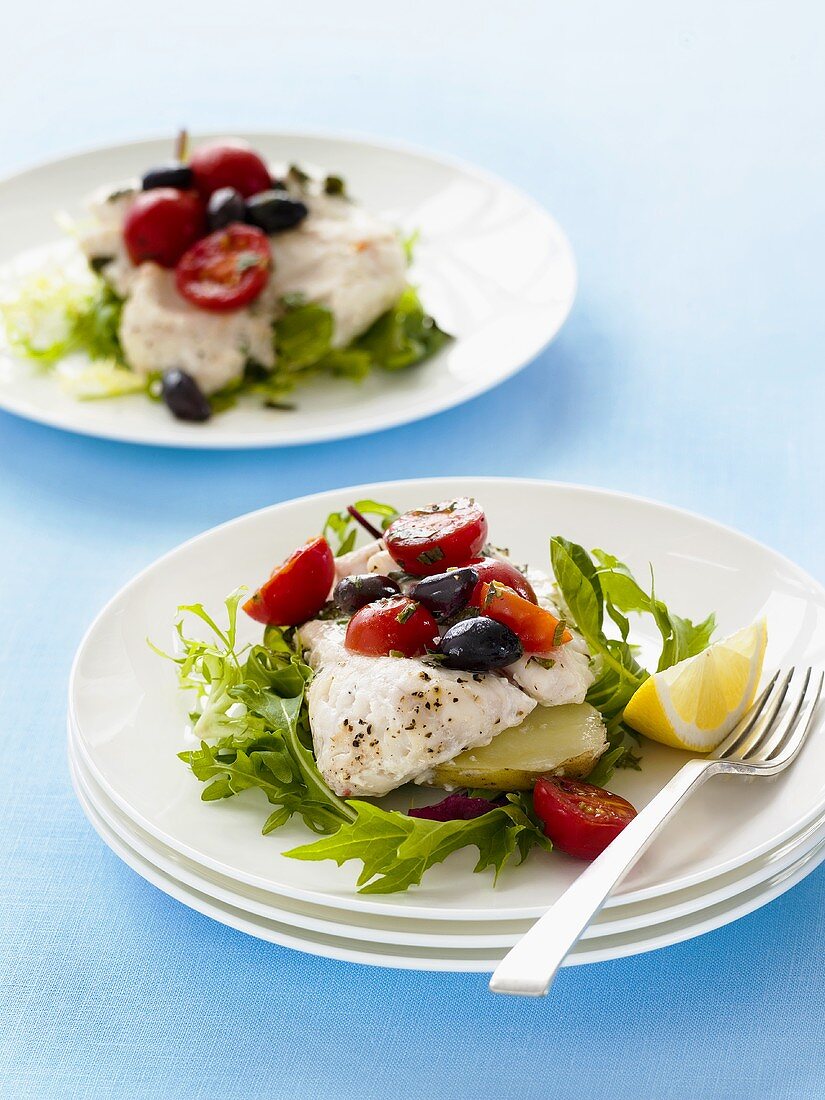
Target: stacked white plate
[734, 848]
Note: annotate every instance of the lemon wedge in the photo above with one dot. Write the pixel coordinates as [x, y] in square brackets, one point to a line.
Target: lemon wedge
[695, 704]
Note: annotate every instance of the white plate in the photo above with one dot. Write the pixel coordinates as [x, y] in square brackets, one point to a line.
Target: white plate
[417, 933]
[493, 268]
[479, 960]
[129, 713]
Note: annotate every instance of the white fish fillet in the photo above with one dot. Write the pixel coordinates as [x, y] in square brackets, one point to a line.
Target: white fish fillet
[159, 329]
[566, 681]
[570, 675]
[356, 561]
[380, 722]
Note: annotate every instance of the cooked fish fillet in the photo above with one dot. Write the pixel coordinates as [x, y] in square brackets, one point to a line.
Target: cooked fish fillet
[566, 680]
[372, 558]
[356, 561]
[101, 237]
[380, 722]
[159, 329]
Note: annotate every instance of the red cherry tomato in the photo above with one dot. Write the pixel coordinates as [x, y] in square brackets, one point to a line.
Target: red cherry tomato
[226, 270]
[538, 629]
[393, 625]
[579, 818]
[494, 569]
[430, 540]
[298, 589]
[161, 224]
[229, 164]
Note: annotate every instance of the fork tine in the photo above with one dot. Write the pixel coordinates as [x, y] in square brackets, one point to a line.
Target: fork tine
[774, 737]
[793, 740]
[759, 718]
[749, 748]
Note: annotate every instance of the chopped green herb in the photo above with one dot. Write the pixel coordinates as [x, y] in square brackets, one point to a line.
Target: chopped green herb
[558, 633]
[430, 557]
[543, 662]
[334, 185]
[298, 176]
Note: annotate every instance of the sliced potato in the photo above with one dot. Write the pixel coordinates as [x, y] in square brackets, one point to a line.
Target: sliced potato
[566, 740]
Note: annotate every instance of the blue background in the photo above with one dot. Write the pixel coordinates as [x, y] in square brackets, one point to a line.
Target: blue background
[681, 146]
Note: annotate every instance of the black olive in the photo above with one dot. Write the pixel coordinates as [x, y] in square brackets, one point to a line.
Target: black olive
[445, 593]
[273, 211]
[478, 645]
[183, 396]
[225, 206]
[169, 175]
[357, 591]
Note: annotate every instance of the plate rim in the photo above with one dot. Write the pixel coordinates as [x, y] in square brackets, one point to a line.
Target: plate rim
[359, 901]
[341, 430]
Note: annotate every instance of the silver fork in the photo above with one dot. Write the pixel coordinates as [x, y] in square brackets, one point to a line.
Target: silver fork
[765, 741]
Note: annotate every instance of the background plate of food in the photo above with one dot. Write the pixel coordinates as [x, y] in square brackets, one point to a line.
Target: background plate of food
[265, 291]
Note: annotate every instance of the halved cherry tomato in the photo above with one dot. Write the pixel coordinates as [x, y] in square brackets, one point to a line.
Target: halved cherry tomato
[229, 164]
[298, 589]
[226, 270]
[161, 224]
[430, 540]
[494, 569]
[580, 818]
[538, 629]
[396, 625]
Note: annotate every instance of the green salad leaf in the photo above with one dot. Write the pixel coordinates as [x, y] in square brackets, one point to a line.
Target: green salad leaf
[404, 335]
[303, 336]
[590, 589]
[401, 337]
[396, 850]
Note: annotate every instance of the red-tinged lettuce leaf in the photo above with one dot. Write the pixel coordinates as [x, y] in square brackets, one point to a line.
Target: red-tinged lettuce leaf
[458, 806]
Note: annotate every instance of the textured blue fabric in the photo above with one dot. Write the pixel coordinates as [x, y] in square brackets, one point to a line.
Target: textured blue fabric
[681, 146]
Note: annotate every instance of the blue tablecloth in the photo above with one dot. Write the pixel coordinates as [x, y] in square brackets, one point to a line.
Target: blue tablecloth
[682, 148]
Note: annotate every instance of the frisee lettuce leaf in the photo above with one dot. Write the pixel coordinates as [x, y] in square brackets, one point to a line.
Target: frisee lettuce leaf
[56, 315]
[590, 589]
[251, 718]
[100, 379]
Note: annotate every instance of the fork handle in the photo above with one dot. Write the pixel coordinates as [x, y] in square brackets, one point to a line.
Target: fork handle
[530, 966]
